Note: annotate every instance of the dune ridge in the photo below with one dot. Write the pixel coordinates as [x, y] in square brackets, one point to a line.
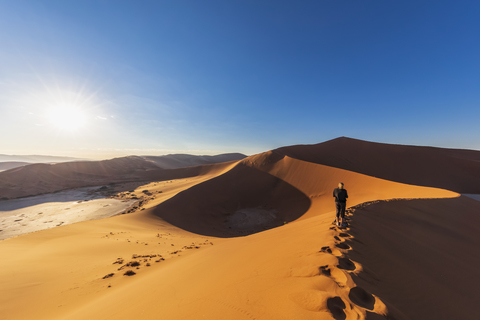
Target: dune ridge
[453, 169]
[291, 188]
[249, 239]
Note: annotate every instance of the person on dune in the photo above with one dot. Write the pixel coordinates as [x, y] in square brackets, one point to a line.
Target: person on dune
[340, 194]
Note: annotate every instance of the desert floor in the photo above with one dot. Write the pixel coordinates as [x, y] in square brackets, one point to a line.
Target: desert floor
[25, 215]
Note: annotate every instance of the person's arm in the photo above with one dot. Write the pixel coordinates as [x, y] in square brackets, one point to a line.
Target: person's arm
[346, 194]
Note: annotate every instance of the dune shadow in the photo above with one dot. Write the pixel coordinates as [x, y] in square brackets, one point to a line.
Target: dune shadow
[362, 298]
[342, 246]
[239, 202]
[346, 264]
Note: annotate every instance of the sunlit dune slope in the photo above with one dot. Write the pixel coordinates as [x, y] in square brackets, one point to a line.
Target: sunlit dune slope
[60, 269]
[453, 169]
[277, 274]
[269, 189]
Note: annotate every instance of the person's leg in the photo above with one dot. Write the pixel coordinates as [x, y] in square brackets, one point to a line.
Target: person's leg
[342, 213]
[338, 209]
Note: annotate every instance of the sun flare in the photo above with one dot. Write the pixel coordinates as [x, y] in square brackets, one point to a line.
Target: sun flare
[68, 118]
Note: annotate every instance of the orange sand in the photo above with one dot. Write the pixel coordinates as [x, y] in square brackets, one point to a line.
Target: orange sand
[214, 267]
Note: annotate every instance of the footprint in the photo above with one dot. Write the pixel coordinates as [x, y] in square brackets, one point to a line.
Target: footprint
[362, 298]
[325, 270]
[344, 235]
[342, 246]
[346, 264]
[326, 250]
[336, 307]
[337, 238]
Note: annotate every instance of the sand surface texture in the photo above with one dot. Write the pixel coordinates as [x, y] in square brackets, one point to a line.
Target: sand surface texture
[254, 239]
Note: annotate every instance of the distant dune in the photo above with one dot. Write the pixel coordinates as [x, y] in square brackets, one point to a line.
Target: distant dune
[254, 239]
[174, 161]
[12, 164]
[42, 178]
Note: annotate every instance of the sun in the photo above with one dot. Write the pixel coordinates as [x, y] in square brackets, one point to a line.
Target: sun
[68, 118]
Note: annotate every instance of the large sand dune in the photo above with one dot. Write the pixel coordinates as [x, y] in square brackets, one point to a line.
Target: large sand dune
[253, 239]
[453, 169]
[281, 189]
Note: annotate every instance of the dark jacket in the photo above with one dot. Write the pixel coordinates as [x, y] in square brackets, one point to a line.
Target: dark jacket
[340, 195]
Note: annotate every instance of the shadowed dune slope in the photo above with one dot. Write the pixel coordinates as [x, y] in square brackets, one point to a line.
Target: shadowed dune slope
[421, 256]
[242, 201]
[453, 169]
[266, 190]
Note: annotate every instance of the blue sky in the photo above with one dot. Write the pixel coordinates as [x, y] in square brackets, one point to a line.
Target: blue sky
[206, 77]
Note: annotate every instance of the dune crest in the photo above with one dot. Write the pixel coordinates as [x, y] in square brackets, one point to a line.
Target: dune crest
[453, 169]
[288, 188]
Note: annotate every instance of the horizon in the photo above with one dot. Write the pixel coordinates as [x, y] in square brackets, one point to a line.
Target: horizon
[96, 81]
[185, 152]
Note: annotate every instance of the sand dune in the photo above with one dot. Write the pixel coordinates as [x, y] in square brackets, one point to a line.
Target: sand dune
[253, 239]
[41, 178]
[453, 169]
[11, 164]
[287, 188]
[174, 161]
[45, 178]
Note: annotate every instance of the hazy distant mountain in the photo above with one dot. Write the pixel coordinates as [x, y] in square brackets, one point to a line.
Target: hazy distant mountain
[11, 165]
[35, 158]
[174, 161]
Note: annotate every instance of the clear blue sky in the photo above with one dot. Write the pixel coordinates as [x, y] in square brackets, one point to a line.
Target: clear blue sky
[203, 77]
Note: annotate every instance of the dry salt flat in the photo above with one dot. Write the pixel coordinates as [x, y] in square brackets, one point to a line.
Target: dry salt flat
[25, 215]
